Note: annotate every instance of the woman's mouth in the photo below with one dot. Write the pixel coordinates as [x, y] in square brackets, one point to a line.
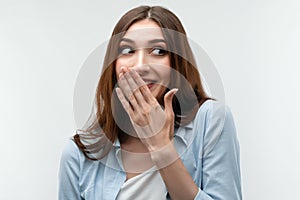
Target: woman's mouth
[150, 84]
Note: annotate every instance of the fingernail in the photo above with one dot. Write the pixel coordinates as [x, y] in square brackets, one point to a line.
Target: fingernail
[124, 69]
[118, 90]
[175, 90]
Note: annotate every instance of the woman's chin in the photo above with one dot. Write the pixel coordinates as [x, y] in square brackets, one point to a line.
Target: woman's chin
[157, 91]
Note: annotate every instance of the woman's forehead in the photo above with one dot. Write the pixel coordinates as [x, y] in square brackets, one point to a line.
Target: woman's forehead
[144, 31]
[143, 24]
[144, 37]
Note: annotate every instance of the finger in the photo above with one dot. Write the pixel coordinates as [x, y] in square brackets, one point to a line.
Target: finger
[124, 86]
[123, 101]
[131, 82]
[149, 98]
[168, 100]
[123, 71]
[135, 89]
[139, 81]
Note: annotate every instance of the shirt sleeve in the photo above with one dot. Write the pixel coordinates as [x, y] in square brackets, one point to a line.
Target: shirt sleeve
[220, 159]
[69, 173]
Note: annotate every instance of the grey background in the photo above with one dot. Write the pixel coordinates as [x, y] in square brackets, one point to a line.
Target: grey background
[254, 44]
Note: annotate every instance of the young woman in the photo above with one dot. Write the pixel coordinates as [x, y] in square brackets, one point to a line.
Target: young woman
[156, 134]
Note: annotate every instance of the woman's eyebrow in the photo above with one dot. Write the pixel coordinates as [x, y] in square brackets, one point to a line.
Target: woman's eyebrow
[157, 41]
[127, 40]
[150, 41]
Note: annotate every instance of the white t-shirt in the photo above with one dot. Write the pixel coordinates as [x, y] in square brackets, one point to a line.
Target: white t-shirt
[147, 185]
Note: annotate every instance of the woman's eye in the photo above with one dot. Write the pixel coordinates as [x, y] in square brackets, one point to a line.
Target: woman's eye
[125, 50]
[158, 51]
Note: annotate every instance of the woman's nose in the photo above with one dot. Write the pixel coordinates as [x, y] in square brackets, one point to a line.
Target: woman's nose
[141, 64]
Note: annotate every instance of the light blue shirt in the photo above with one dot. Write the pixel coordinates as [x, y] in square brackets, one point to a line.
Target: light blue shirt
[208, 147]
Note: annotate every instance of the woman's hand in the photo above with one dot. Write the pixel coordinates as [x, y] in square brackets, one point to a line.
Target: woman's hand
[155, 128]
[153, 125]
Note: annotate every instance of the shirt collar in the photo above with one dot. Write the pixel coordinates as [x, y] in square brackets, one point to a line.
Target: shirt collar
[182, 132]
[117, 143]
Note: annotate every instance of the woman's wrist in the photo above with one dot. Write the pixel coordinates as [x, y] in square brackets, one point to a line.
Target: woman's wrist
[164, 156]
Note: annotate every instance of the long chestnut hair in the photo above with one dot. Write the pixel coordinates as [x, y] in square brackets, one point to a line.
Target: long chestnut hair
[96, 140]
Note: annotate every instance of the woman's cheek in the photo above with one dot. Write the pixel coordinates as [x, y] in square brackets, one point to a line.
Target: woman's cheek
[121, 62]
[118, 66]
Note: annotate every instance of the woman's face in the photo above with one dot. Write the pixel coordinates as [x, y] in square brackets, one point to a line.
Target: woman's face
[144, 49]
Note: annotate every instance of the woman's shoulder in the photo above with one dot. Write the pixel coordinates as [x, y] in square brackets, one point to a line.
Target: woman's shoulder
[213, 117]
[212, 109]
[216, 120]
